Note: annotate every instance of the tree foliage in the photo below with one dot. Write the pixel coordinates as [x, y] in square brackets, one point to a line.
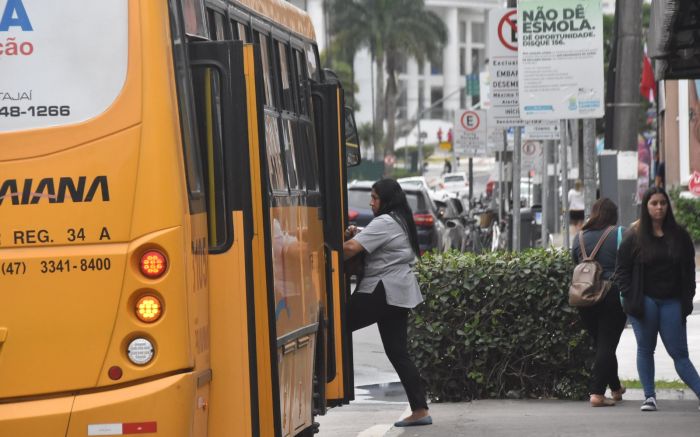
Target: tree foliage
[392, 30]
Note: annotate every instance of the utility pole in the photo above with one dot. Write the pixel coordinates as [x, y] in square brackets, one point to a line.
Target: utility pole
[564, 146]
[517, 147]
[589, 165]
[628, 69]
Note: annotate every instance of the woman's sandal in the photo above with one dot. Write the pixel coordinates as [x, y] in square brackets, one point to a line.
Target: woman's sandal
[601, 401]
[617, 394]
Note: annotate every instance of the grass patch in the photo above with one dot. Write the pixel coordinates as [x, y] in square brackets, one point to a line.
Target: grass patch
[663, 384]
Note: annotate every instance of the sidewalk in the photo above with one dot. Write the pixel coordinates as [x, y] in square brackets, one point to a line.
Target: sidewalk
[543, 418]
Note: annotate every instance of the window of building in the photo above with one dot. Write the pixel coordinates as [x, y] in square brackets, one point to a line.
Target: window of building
[435, 96]
[436, 64]
[478, 32]
[478, 57]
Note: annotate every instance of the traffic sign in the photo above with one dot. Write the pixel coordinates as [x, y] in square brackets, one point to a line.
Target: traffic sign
[470, 133]
[503, 69]
[470, 120]
[508, 31]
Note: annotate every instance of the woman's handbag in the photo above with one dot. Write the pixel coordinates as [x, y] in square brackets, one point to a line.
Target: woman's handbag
[355, 266]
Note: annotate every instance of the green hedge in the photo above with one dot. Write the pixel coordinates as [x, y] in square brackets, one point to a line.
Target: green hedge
[687, 213]
[498, 325]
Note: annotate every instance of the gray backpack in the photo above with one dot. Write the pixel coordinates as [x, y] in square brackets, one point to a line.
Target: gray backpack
[587, 285]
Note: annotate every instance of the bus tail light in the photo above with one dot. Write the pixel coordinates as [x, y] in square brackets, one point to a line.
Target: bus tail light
[149, 308]
[153, 264]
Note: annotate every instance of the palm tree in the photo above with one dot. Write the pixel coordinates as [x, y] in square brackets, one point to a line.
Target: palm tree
[393, 30]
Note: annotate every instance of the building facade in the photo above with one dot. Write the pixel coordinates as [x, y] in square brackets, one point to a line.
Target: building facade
[422, 85]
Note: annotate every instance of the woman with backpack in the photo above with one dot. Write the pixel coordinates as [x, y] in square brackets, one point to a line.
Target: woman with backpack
[656, 277]
[388, 288]
[605, 320]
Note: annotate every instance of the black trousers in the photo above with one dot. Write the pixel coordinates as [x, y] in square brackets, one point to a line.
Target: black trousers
[365, 309]
[605, 323]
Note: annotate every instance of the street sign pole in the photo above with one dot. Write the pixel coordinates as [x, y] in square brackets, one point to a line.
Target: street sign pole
[517, 149]
[589, 164]
[565, 180]
[545, 192]
[471, 179]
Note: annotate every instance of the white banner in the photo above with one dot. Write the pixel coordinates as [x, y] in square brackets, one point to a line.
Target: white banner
[560, 59]
[61, 61]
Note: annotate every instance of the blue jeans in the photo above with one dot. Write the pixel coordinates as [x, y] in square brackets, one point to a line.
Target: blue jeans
[663, 316]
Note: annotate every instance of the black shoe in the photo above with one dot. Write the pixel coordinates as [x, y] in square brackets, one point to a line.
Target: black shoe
[427, 420]
[649, 404]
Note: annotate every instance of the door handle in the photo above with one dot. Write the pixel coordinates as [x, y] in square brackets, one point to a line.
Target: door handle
[3, 334]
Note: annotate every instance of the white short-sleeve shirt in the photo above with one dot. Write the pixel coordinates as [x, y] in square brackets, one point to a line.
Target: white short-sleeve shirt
[389, 259]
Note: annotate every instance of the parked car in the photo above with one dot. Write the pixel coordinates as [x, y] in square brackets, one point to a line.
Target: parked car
[452, 214]
[457, 183]
[425, 214]
[359, 211]
[418, 181]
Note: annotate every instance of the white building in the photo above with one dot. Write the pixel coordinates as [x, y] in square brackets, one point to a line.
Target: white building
[421, 85]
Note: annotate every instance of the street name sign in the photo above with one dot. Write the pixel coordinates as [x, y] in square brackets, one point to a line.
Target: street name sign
[546, 130]
[560, 59]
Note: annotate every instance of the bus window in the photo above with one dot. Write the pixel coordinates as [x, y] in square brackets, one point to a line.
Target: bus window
[274, 153]
[193, 11]
[290, 155]
[217, 26]
[311, 158]
[285, 72]
[242, 32]
[312, 63]
[263, 40]
[207, 91]
[302, 82]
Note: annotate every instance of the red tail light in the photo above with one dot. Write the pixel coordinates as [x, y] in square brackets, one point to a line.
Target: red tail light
[153, 264]
[424, 220]
[352, 214]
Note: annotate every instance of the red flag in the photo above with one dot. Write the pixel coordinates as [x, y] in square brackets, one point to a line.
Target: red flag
[647, 86]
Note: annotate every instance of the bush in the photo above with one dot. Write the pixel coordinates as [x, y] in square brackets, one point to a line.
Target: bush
[687, 213]
[498, 325]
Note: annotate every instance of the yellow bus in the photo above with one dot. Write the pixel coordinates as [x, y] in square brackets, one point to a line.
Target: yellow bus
[172, 206]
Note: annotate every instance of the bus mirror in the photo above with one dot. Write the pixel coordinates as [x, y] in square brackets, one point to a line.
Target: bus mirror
[352, 140]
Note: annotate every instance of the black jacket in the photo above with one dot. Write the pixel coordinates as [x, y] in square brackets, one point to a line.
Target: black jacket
[629, 275]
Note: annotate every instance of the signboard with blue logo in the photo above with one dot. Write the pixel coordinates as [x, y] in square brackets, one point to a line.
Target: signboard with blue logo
[61, 61]
[560, 59]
